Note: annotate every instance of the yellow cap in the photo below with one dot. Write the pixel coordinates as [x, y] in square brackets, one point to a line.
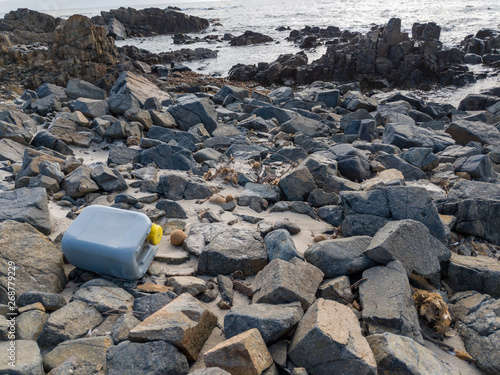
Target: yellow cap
[155, 234]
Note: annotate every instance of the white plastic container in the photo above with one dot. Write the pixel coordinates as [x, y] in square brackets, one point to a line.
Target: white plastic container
[112, 242]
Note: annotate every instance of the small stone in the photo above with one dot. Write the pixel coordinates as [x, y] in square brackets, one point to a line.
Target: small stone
[229, 198]
[177, 237]
[153, 288]
[217, 199]
[34, 306]
[319, 238]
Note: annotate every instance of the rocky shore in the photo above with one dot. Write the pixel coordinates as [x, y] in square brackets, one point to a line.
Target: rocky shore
[313, 229]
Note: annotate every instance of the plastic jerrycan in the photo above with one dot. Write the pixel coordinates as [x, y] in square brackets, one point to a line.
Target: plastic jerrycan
[112, 242]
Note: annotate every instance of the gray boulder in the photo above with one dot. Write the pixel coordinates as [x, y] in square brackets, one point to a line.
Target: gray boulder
[39, 264]
[328, 340]
[307, 126]
[78, 88]
[280, 245]
[477, 166]
[410, 172]
[282, 282]
[148, 305]
[409, 242]
[154, 358]
[70, 322]
[297, 184]
[341, 256]
[233, 250]
[337, 289]
[79, 182]
[26, 206]
[27, 358]
[387, 303]
[191, 110]
[92, 108]
[226, 90]
[138, 87]
[168, 157]
[352, 163]
[421, 157]
[108, 179]
[408, 136]
[463, 132]
[119, 155]
[480, 273]
[106, 299]
[270, 193]
[272, 321]
[11, 151]
[121, 103]
[50, 301]
[476, 206]
[478, 325]
[399, 354]
[172, 209]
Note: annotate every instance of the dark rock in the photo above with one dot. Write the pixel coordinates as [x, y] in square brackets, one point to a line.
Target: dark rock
[155, 358]
[108, 179]
[148, 305]
[307, 126]
[477, 166]
[338, 289]
[333, 215]
[78, 183]
[476, 206]
[121, 103]
[190, 111]
[319, 198]
[273, 321]
[270, 193]
[11, 151]
[226, 90]
[172, 209]
[352, 163]
[50, 301]
[282, 282]
[226, 289]
[341, 256]
[464, 132]
[92, 108]
[250, 199]
[320, 343]
[387, 303]
[477, 323]
[297, 184]
[250, 37]
[151, 21]
[168, 157]
[280, 245]
[409, 242]
[289, 154]
[231, 251]
[398, 353]
[407, 136]
[422, 158]
[78, 88]
[480, 273]
[26, 205]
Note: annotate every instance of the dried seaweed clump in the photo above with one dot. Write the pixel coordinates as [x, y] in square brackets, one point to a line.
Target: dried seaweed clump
[432, 307]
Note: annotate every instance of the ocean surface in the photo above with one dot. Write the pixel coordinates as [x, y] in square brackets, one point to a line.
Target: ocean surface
[457, 18]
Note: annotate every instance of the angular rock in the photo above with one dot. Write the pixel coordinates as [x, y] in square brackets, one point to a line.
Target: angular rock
[154, 358]
[121, 103]
[50, 301]
[70, 322]
[233, 250]
[190, 111]
[90, 353]
[107, 178]
[26, 205]
[463, 132]
[395, 353]
[282, 282]
[92, 108]
[11, 151]
[338, 289]
[186, 284]
[30, 324]
[477, 166]
[105, 299]
[297, 184]
[408, 136]
[341, 256]
[168, 157]
[78, 183]
[480, 273]
[148, 305]
[476, 206]
[27, 358]
[307, 126]
[122, 327]
[280, 245]
[270, 193]
[247, 351]
[328, 340]
[409, 242]
[78, 88]
[478, 326]
[386, 298]
[138, 87]
[273, 321]
[38, 263]
[410, 172]
[172, 209]
[184, 322]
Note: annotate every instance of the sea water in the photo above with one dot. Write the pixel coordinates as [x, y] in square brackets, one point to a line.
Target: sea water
[457, 18]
